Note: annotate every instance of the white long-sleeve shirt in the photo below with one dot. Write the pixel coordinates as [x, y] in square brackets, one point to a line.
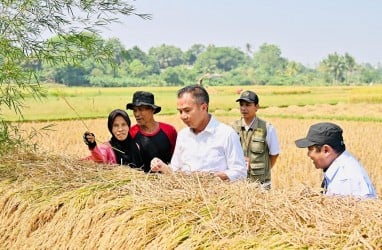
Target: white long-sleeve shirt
[217, 148]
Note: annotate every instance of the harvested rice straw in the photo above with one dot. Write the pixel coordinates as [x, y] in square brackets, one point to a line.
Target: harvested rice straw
[45, 204]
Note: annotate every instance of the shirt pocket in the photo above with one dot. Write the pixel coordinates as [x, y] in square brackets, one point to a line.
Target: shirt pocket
[257, 169]
[257, 145]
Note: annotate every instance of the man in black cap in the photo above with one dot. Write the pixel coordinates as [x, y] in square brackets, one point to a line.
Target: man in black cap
[155, 139]
[258, 139]
[343, 174]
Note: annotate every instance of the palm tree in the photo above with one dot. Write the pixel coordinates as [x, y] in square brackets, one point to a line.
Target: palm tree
[335, 65]
[248, 49]
[350, 65]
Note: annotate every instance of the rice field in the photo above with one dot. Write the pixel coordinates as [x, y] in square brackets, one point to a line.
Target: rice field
[293, 166]
[98, 102]
[53, 200]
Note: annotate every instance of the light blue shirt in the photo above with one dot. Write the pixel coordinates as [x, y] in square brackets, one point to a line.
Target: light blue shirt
[346, 176]
[217, 148]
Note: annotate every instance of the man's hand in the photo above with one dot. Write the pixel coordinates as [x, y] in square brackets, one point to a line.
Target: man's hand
[247, 163]
[223, 176]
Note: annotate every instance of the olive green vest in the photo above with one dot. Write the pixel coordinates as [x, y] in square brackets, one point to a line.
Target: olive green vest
[256, 149]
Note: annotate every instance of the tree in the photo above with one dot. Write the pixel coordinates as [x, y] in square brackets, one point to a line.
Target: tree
[171, 76]
[118, 50]
[219, 59]
[370, 74]
[335, 66]
[350, 65]
[22, 46]
[243, 75]
[268, 63]
[75, 70]
[248, 49]
[137, 69]
[167, 55]
[135, 53]
[192, 53]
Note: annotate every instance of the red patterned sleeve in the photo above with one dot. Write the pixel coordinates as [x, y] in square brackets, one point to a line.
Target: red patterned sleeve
[171, 133]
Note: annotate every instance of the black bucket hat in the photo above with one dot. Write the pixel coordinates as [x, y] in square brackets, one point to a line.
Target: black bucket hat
[142, 98]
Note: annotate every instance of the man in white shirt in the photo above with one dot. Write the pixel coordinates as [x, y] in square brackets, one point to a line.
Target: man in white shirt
[343, 174]
[206, 145]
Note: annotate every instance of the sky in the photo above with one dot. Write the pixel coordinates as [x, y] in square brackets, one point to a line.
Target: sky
[305, 31]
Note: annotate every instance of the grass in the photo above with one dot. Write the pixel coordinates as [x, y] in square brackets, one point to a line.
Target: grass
[98, 102]
[325, 117]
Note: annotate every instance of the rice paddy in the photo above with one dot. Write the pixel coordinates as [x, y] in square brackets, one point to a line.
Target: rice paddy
[52, 200]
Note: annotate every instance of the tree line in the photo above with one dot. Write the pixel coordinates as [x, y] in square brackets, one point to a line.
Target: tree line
[168, 65]
[78, 56]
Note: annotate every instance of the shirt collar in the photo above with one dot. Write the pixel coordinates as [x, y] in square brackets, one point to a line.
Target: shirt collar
[210, 128]
[334, 166]
[250, 126]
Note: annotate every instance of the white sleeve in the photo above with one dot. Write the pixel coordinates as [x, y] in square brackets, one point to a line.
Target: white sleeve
[272, 140]
[235, 158]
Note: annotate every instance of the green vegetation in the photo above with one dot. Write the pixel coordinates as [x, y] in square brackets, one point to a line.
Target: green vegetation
[167, 65]
[60, 101]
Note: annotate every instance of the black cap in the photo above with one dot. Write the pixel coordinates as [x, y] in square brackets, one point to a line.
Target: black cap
[320, 134]
[142, 98]
[248, 96]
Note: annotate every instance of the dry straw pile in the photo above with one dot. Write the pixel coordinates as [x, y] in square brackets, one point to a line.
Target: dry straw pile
[58, 203]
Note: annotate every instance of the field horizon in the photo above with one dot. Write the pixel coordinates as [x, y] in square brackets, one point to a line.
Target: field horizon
[64, 103]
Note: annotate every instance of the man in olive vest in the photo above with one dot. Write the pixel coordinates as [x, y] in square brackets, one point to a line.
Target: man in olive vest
[258, 139]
